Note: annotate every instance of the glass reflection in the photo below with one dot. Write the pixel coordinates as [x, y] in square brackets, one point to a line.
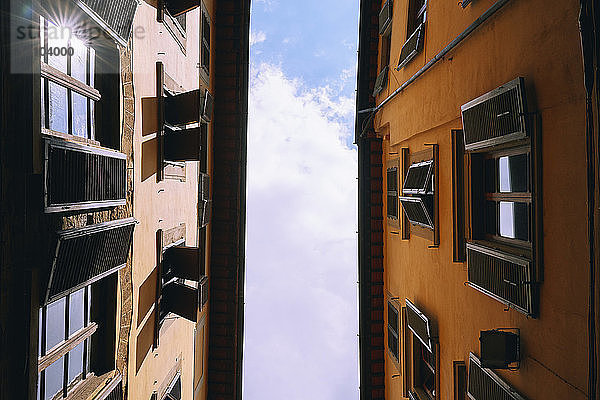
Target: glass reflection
[57, 108]
[58, 39]
[75, 362]
[79, 60]
[513, 173]
[514, 220]
[79, 111]
[76, 311]
[55, 323]
[54, 378]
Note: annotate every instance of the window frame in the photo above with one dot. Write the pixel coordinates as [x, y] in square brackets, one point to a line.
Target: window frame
[391, 165]
[430, 233]
[205, 43]
[395, 333]
[61, 351]
[415, 25]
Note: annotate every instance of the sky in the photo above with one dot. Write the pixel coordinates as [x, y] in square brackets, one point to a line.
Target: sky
[301, 319]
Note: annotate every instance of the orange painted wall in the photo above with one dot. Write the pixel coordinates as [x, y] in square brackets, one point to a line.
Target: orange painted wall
[537, 40]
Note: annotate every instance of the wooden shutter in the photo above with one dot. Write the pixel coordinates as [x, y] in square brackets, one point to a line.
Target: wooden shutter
[496, 117]
[183, 108]
[484, 384]
[381, 81]
[183, 262]
[203, 290]
[418, 178]
[412, 47]
[417, 212]
[116, 16]
[182, 144]
[78, 177]
[419, 324]
[502, 276]
[208, 106]
[204, 201]
[385, 18]
[177, 7]
[180, 299]
[85, 255]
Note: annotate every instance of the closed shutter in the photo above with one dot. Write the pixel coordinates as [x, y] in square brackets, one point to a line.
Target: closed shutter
[412, 47]
[114, 15]
[496, 117]
[484, 384]
[85, 255]
[78, 177]
[417, 211]
[204, 201]
[419, 324]
[502, 276]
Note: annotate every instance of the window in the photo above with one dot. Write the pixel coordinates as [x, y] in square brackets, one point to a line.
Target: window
[421, 355]
[77, 76]
[64, 324]
[419, 189]
[393, 336]
[415, 31]
[392, 169]
[460, 380]
[504, 197]
[205, 43]
[174, 390]
[385, 30]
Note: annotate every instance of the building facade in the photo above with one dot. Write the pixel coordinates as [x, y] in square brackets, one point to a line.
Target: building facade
[122, 148]
[477, 130]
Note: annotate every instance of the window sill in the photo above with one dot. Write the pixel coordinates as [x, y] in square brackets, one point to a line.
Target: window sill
[96, 387]
[70, 138]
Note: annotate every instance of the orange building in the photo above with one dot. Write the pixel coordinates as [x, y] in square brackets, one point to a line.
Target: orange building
[477, 197]
[122, 207]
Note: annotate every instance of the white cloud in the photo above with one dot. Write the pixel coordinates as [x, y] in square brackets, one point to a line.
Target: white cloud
[257, 37]
[301, 271]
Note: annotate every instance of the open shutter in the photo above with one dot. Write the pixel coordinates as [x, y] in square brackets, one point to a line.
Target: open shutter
[418, 178]
[183, 108]
[381, 81]
[115, 16]
[419, 324]
[502, 276]
[385, 18]
[180, 299]
[203, 290]
[417, 211]
[85, 255]
[183, 144]
[182, 262]
[208, 106]
[178, 7]
[80, 177]
[484, 384]
[496, 117]
[411, 47]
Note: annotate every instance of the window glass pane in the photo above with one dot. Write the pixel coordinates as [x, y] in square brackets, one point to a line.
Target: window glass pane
[490, 175]
[75, 362]
[55, 323]
[92, 105]
[40, 332]
[39, 385]
[42, 23]
[43, 101]
[54, 378]
[514, 173]
[79, 60]
[92, 66]
[76, 312]
[80, 115]
[89, 304]
[58, 40]
[57, 108]
[514, 220]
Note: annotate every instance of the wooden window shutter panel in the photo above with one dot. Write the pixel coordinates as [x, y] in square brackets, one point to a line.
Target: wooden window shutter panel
[182, 145]
[180, 299]
[184, 262]
[85, 255]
